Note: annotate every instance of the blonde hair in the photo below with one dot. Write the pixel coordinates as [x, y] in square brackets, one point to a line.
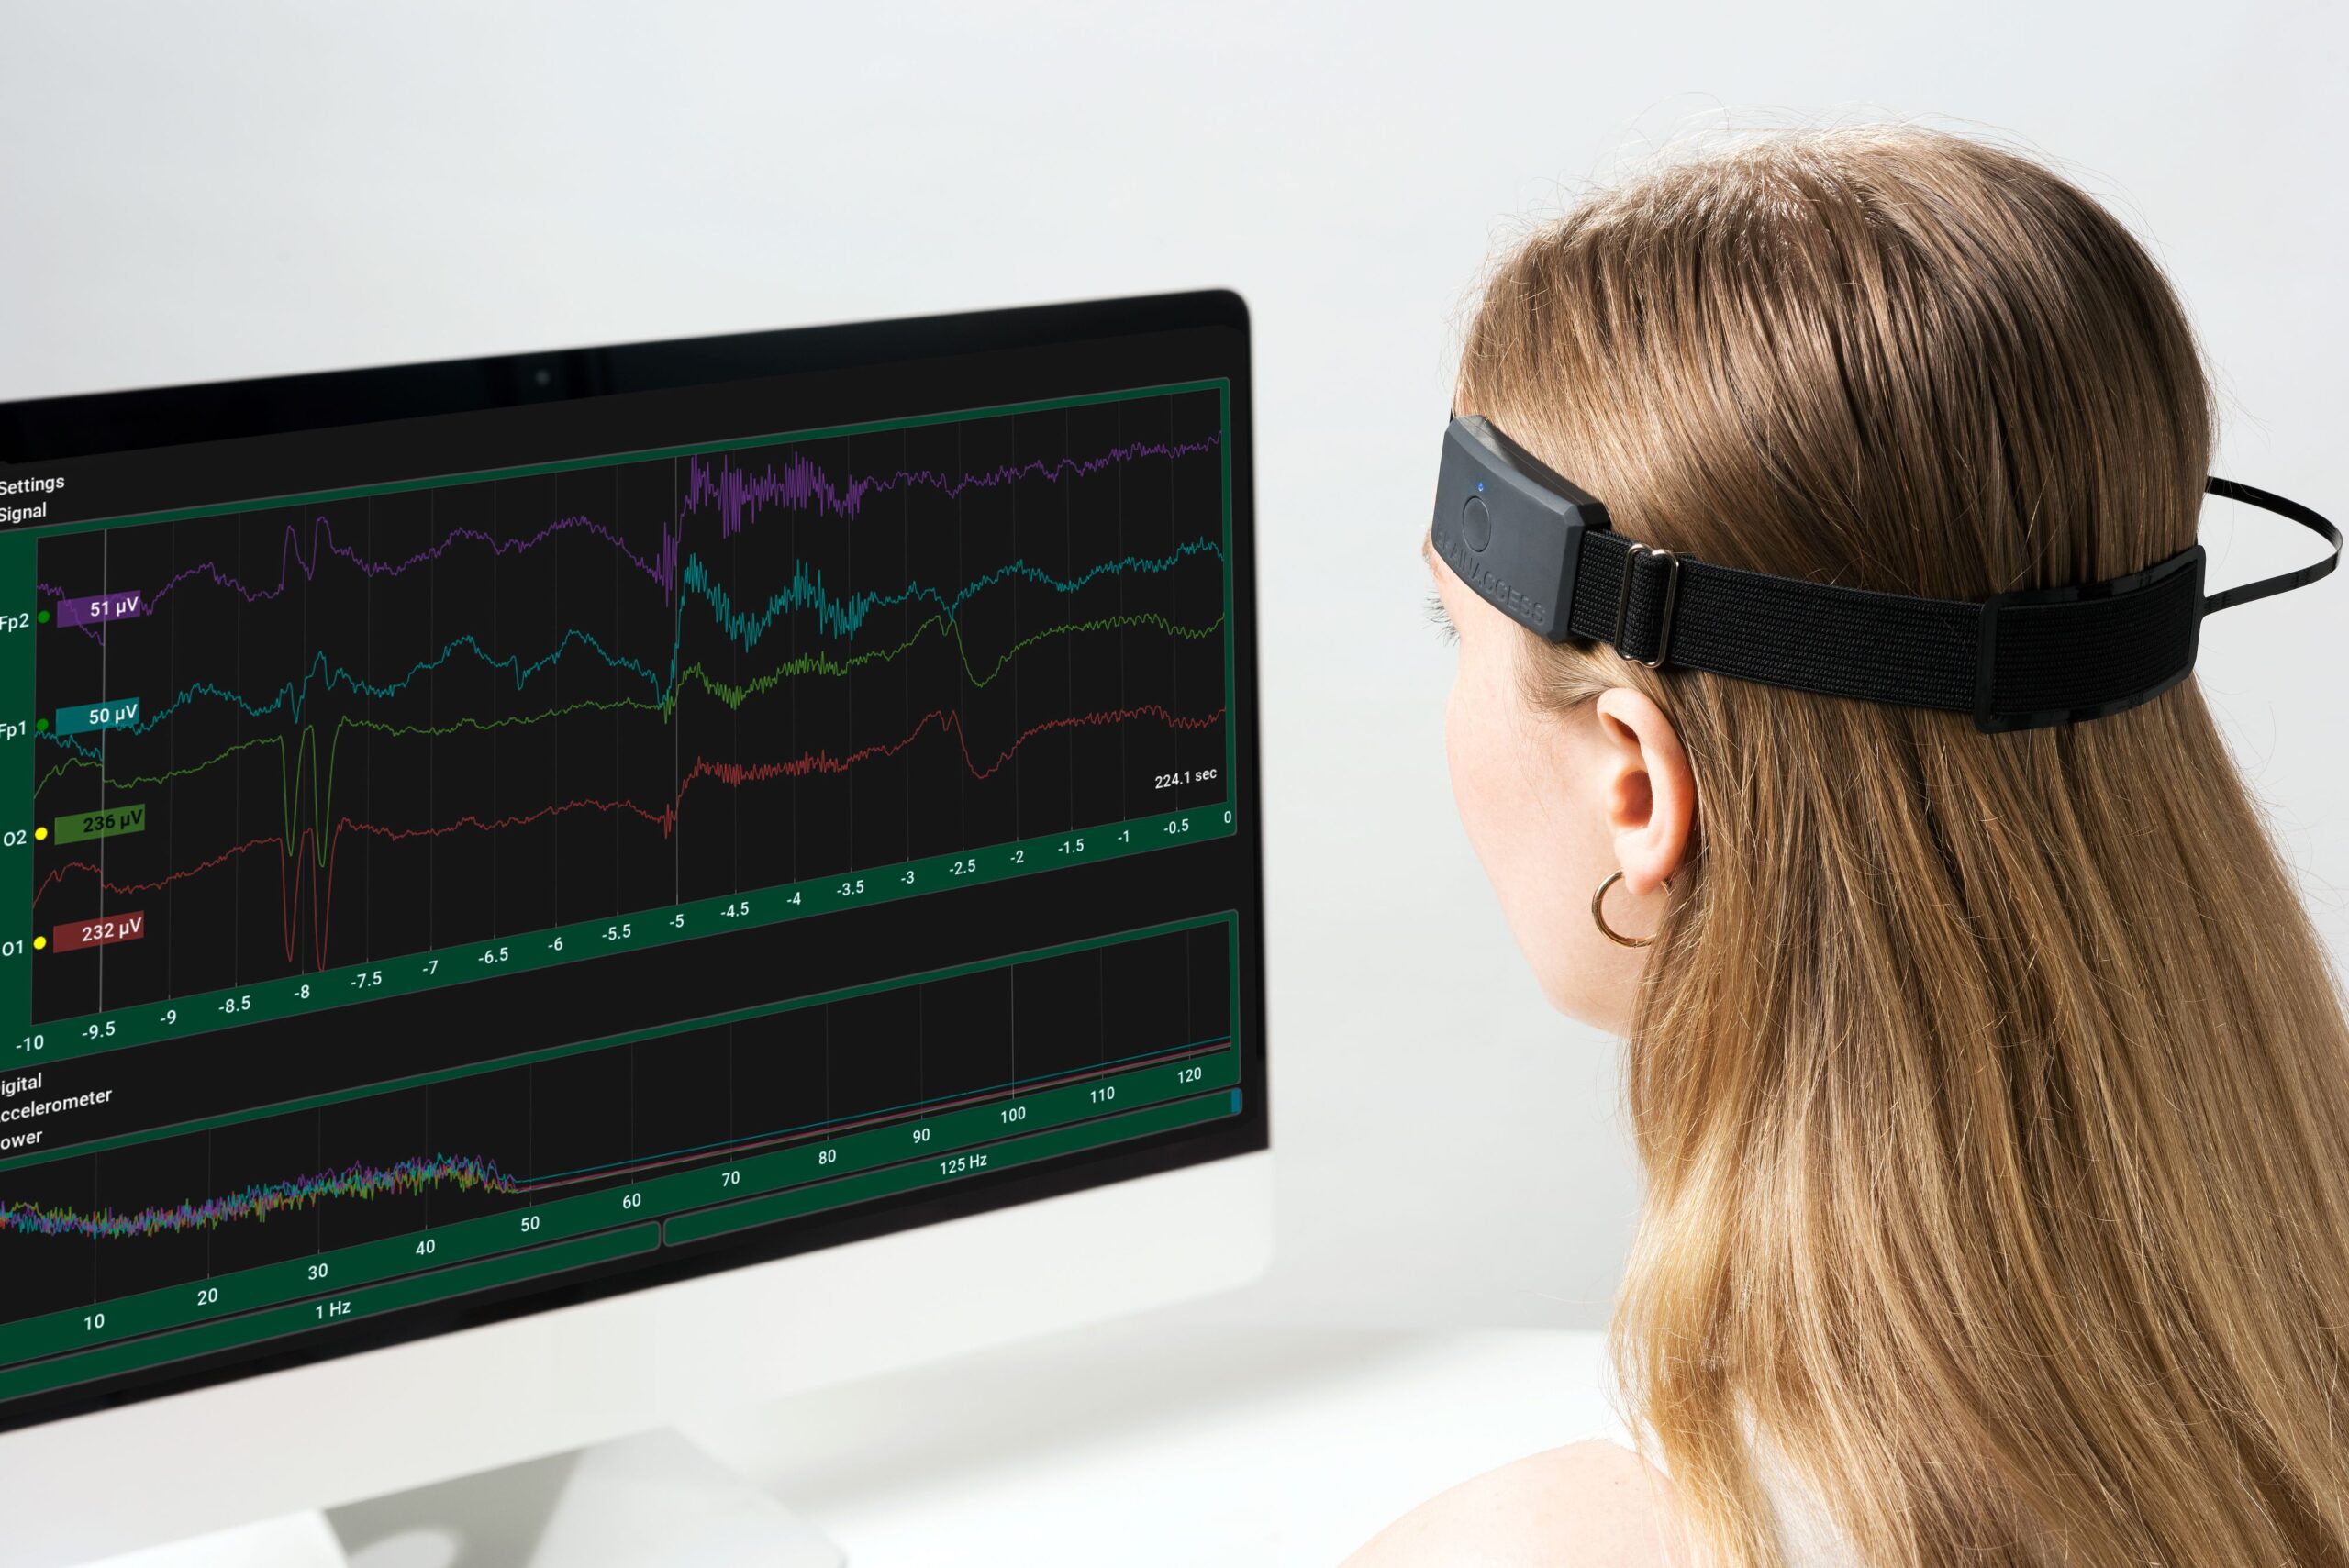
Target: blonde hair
[1992, 1090]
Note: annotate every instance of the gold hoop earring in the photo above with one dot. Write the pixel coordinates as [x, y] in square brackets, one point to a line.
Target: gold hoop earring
[1600, 919]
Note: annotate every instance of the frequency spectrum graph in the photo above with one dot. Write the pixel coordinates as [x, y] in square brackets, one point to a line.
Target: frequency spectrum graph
[279, 1204]
[300, 737]
[259, 1201]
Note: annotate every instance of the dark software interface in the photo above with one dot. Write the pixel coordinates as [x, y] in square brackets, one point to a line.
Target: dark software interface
[597, 821]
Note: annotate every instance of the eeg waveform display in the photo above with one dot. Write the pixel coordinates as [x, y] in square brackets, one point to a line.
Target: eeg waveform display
[315, 737]
[489, 835]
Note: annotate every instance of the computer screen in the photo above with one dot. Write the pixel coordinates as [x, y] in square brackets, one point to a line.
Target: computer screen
[490, 834]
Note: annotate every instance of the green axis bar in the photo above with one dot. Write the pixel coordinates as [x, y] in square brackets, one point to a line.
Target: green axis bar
[1226, 918]
[1231, 598]
[139, 1354]
[706, 1223]
[303, 995]
[811, 1159]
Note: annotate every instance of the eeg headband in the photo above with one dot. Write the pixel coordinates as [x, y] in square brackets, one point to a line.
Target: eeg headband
[1542, 551]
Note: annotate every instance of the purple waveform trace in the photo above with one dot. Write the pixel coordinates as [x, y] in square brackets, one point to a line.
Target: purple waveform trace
[291, 557]
[737, 495]
[800, 485]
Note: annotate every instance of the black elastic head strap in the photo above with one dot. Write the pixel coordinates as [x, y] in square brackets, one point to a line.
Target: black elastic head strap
[1542, 551]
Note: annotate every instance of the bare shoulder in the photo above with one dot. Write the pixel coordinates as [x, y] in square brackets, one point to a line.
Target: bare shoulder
[1588, 1504]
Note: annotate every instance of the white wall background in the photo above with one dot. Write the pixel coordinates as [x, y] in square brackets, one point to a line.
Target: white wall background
[196, 191]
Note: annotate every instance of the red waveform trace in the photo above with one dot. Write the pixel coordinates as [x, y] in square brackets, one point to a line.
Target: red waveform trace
[732, 775]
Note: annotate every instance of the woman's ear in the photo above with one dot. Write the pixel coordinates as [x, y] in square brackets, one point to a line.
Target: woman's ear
[1644, 787]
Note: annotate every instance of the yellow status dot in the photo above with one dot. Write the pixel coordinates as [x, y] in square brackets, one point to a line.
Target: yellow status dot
[40, 832]
[39, 942]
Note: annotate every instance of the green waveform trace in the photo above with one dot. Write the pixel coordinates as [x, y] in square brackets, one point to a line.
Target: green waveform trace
[303, 758]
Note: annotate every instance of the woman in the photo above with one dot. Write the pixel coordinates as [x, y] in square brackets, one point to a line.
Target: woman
[1992, 1089]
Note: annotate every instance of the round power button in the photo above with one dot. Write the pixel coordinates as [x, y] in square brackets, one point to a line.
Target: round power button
[1476, 524]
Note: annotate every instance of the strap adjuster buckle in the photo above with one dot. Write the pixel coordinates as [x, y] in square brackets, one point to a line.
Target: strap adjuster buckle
[1623, 601]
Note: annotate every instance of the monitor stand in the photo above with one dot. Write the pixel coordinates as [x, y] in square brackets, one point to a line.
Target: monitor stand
[641, 1501]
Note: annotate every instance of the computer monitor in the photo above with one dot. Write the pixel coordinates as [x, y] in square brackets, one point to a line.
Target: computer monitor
[560, 891]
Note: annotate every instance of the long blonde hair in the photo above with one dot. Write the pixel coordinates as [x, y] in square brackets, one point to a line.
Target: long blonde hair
[1992, 1090]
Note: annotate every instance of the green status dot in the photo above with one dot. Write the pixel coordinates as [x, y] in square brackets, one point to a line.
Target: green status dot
[44, 618]
[41, 725]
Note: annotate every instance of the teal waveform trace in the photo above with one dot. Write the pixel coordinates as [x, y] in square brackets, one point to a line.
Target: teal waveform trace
[842, 616]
